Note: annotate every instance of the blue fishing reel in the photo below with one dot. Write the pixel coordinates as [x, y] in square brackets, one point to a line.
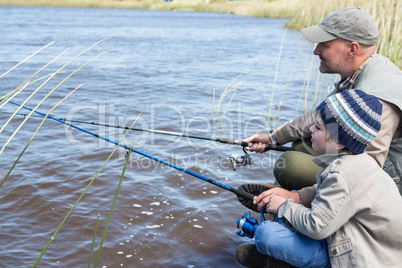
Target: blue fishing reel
[248, 225]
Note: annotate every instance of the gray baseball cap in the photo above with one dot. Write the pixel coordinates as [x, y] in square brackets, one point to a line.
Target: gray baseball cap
[349, 23]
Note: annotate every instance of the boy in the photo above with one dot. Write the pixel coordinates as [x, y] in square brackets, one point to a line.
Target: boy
[354, 219]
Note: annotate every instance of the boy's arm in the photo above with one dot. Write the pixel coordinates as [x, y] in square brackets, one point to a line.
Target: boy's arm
[330, 209]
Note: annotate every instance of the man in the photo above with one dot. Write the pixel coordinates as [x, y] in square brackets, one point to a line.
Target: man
[346, 45]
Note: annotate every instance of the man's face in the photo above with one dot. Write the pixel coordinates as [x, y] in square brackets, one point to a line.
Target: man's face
[334, 56]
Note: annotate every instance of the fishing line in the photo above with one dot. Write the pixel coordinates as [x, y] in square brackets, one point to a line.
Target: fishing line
[238, 192]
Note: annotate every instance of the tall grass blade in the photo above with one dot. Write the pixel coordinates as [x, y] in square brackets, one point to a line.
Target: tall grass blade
[32, 76]
[93, 241]
[26, 59]
[220, 113]
[227, 90]
[79, 199]
[276, 75]
[213, 107]
[305, 86]
[33, 136]
[113, 204]
[286, 86]
[34, 109]
[230, 101]
[16, 91]
[25, 101]
[21, 88]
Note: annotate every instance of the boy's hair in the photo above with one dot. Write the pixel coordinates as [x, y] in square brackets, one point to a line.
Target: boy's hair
[330, 137]
[352, 117]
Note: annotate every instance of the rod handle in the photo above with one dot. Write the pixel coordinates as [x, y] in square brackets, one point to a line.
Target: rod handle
[267, 146]
[244, 194]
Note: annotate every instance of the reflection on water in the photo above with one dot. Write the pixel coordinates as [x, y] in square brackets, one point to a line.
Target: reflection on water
[166, 66]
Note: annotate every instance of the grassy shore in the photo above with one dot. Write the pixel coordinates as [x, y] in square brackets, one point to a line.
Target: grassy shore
[304, 13]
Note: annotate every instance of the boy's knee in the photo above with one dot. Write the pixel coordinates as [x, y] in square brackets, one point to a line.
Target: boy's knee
[278, 241]
[266, 237]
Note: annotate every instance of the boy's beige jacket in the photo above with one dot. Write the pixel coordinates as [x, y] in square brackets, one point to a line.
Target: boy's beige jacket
[357, 208]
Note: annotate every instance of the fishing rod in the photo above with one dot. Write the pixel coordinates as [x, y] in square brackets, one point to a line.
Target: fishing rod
[236, 159]
[239, 192]
[179, 134]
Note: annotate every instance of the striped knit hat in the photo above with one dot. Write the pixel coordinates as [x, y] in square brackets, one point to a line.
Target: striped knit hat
[352, 117]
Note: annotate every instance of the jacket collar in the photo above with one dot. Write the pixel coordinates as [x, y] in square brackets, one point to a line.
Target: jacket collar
[349, 83]
[326, 159]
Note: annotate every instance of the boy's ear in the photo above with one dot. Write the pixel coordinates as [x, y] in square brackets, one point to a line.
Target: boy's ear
[339, 146]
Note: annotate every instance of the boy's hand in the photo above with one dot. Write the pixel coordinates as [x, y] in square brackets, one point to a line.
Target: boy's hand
[273, 198]
[274, 203]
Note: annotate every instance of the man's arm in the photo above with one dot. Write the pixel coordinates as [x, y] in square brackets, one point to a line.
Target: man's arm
[378, 148]
[307, 195]
[296, 129]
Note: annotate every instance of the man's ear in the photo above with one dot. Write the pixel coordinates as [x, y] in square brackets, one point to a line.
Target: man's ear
[354, 47]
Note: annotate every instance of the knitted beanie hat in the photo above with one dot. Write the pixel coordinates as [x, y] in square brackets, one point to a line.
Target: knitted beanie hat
[352, 117]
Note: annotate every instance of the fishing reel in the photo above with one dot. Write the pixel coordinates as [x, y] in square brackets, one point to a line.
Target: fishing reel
[248, 225]
[240, 160]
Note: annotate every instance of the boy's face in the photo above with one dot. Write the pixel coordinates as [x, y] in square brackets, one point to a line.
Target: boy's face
[319, 139]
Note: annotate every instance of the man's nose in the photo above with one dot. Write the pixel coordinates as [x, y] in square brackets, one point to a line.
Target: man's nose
[317, 50]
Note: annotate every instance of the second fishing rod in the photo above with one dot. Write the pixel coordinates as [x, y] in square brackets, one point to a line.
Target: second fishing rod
[242, 195]
[236, 159]
[178, 134]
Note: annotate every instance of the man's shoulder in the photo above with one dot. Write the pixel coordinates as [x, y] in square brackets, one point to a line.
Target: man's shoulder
[382, 79]
[381, 63]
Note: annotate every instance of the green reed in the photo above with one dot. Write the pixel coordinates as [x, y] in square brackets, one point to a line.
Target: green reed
[29, 142]
[218, 111]
[114, 200]
[276, 75]
[93, 240]
[43, 99]
[27, 58]
[23, 86]
[81, 196]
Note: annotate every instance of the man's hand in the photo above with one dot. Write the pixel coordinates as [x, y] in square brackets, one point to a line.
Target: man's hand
[259, 140]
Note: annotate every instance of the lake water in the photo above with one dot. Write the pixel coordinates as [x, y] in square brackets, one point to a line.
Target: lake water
[170, 69]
